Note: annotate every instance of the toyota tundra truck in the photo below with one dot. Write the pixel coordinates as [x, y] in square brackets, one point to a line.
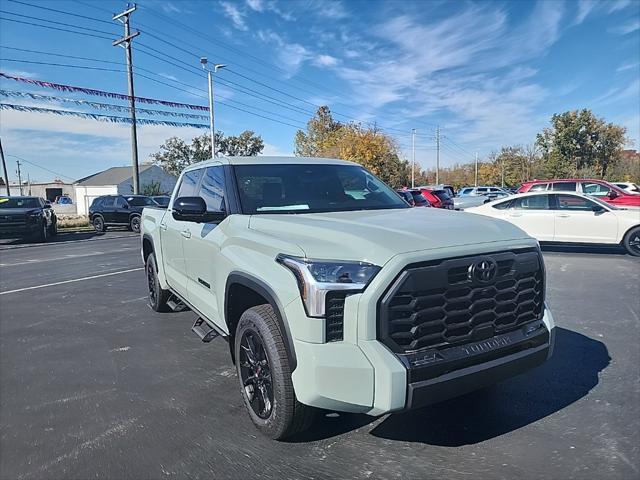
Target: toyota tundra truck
[334, 294]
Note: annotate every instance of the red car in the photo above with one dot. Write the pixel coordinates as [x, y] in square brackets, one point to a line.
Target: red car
[596, 188]
[437, 198]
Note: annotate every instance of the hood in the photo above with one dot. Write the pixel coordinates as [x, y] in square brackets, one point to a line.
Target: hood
[376, 236]
[18, 211]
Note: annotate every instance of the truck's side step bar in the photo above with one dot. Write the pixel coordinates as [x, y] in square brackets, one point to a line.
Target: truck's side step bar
[176, 305]
[203, 330]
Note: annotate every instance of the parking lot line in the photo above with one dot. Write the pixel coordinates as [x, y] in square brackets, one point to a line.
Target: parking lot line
[71, 281]
[66, 257]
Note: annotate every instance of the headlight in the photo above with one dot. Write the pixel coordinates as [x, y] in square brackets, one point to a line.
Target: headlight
[317, 277]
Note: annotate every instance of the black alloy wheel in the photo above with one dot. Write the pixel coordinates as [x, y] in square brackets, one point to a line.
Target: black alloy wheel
[134, 224]
[98, 224]
[255, 374]
[632, 242]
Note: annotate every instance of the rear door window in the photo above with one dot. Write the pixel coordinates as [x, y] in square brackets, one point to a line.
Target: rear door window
[120, 202]
[534, 202]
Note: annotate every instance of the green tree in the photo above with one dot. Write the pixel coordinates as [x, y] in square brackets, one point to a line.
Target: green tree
[175, 154]
[579, 141]
[320, 138]
[151, 189]
[367, 146]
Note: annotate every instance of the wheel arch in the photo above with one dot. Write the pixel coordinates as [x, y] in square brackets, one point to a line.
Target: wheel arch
[250, 291]
[147, 246]
[626, 232]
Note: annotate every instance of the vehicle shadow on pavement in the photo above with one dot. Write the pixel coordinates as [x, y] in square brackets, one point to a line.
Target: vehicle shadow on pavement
[568, 376]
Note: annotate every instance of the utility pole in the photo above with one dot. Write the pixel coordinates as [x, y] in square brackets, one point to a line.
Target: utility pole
[126, 42]
[437, 154]
[212, 131]
[413, 161]
[19, 177]
[4, 169]
[476, 183]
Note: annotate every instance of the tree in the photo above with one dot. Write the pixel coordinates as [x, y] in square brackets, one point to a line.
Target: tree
[320, 138]
[247, 144]
[151, 189]
[174, 154]
[367, 146]
[578, 140]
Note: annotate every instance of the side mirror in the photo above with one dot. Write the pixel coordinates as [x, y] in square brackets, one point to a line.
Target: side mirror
[194, 209]
[613, 194]
[598, 209]
[47, 204]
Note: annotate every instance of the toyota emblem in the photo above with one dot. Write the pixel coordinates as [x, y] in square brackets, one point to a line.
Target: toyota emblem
[482, 271]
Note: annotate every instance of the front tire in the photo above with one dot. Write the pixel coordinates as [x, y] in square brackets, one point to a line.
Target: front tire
[631, 242]
[134, 224]
[264, 373]
[157, 295]
[43, 234]
[53, 229]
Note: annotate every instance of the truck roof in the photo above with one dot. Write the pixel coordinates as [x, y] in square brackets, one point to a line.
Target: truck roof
[274, 160]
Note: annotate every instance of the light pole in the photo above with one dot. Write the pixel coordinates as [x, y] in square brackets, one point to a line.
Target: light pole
[413, 158]
[216, 67]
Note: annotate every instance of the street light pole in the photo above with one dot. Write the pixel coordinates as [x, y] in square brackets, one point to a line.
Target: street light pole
[212, 131]
[413, 161]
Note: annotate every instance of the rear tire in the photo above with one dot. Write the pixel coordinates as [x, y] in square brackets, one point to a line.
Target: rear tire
[157, 295]
[43, 234]
[631, 242]
[268, 375]
[98, 224]
[53, 229]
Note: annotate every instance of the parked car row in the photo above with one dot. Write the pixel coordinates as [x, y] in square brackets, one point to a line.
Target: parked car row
[595, 188]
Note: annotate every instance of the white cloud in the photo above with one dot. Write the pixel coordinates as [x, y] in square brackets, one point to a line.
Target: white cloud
[585, 7]
[290, 55]
[257, 5]
[616, 5]
[325, 61]
[626, 28]
[333, 9]
[628, 66]
[235, 15]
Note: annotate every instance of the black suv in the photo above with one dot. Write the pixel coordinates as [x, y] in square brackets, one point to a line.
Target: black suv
[27, 217]
[118, 211]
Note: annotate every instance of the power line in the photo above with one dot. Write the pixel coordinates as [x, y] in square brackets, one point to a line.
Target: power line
[30, 17]
[55, 28]
[60, 11]
[40, 166]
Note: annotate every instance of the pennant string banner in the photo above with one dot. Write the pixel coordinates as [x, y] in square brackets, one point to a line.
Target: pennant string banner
[99, 117]
[101, 93]
[97, 105]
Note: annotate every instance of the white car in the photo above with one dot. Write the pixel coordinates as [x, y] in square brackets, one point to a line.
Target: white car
[568, 217]
[628, 187]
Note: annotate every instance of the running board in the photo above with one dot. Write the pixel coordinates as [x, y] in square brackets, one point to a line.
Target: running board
[176, 305]
[203, 330]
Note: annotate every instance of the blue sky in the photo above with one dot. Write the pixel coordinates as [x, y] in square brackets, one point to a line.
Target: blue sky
[488, 73]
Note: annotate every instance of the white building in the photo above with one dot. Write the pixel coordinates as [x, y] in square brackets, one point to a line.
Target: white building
[119, 181]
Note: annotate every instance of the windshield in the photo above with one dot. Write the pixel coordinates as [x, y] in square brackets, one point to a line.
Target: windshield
[140, 201]
[311, 188]
[19, 203]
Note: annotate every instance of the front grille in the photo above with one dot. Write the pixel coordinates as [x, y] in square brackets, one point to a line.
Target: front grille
[438, 304]
[13, 220]
[334, 309]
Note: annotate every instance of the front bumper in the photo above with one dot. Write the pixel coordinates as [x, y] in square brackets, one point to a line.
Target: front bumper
[22, 230]
[366, 377]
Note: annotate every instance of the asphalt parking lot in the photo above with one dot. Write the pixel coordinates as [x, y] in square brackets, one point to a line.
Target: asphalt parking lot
[93, 384]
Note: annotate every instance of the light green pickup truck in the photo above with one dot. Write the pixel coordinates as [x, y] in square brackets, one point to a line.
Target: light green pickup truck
[335, 294]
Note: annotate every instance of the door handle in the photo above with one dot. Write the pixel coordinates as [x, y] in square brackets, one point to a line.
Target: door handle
[163, 226]
[185, 233]
[515, 214]
[563, 215]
